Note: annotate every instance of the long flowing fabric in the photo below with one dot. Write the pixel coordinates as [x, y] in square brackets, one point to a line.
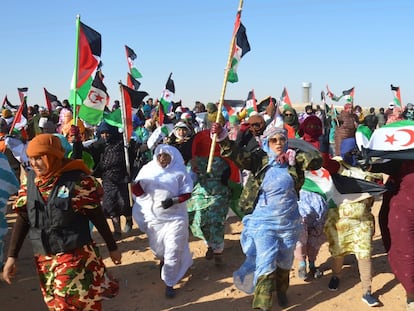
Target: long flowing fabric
[270, 233]
[167, 229]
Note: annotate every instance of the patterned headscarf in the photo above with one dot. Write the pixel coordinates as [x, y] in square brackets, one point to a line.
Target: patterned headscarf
[270, 132]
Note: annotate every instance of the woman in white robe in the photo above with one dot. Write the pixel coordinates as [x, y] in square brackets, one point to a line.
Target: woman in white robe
[161, 190]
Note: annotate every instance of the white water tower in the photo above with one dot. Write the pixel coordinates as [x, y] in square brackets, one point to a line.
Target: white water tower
[306, 92]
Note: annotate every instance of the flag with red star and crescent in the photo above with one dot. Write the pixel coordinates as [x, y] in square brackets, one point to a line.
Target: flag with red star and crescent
[92, 108]
[337, 189]
[320, 181]
[395, 136]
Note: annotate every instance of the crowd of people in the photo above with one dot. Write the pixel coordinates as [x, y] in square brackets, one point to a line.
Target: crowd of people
[278, 169]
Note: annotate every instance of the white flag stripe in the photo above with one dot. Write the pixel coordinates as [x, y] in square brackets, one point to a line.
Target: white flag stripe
[392, 138]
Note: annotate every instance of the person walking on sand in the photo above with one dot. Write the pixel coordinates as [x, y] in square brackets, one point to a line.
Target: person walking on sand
[211, 198]
[55, 206]
[349, 228]
[272, 228]
[108, 153]
[161, 190]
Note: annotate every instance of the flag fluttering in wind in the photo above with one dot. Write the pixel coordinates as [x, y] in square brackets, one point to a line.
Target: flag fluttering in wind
[91, 110]
[23, 94]
[7, 104]
[88, 59]
[20, 118]
[349, 94]
[251, 102]
[397, 95]
[131, 56]
[240, 47]
[132, 82]
[320, 181]
[166, 99]
[132, 99]
[284, 98]
[395, 136]
[23, 100]
[50, 98]
[232, 107]
[332, 96]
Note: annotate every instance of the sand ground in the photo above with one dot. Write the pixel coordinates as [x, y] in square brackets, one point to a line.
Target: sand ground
[208, 287]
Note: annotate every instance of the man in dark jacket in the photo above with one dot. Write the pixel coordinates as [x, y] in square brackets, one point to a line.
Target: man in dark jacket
[371, 119]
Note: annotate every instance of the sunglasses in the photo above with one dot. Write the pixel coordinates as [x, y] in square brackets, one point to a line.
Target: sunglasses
[256, 125]
[276, 140]
[288, 114]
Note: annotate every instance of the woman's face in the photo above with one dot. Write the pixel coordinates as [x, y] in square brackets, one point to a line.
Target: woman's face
[182, 132]
[38, 165]
[277, 144]
[164, 159]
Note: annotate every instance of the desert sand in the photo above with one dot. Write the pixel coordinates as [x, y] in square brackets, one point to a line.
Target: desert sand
[208, 287]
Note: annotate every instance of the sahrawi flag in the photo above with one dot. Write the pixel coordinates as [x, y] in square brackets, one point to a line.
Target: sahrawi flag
[166, 99]
[397, 95]
[362, 136]
[131, 56]
[50, 98]
[7, 104]
[132, 99]
[88, 57]
[240, 47]
[395, 136]
[251, 103]
[20, 118]
[349, 94]
[284, 98]
[132, 82]
[320, 181]
[332, 96]
[91, 110]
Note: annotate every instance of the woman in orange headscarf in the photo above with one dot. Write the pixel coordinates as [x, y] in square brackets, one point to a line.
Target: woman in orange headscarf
[55, 205]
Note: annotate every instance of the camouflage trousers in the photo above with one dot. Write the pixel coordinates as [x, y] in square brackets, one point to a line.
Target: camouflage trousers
[266, 284]
[75, 280]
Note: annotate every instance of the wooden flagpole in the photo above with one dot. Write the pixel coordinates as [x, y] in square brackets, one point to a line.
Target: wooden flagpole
[126, 140]
[223, 90]
[75, 78]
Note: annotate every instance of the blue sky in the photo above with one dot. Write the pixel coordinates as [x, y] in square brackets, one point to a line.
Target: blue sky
[362, 43]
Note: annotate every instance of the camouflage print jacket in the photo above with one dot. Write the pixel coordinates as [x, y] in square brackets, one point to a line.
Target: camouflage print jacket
[256, 162]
